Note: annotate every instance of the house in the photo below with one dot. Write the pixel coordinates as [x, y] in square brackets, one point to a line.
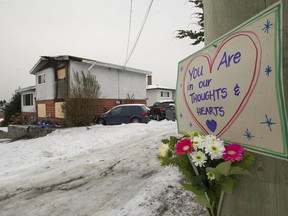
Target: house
[55, 75]
[28, 104]
[158, 93]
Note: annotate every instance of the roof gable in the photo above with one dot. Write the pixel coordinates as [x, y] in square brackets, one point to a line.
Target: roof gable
[47, 61]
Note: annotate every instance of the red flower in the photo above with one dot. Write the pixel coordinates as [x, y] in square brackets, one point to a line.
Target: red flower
[184, 146]
[233, 152]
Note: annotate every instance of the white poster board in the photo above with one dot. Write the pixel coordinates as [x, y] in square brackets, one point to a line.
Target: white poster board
[233, 88]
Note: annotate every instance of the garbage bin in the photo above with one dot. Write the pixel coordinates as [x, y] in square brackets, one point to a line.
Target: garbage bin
[170, 114]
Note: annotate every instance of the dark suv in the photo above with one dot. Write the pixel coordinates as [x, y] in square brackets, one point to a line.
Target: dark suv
[126, 113]
[158, 110]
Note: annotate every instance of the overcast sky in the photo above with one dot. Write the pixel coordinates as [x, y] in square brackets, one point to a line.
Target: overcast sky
[94, 29]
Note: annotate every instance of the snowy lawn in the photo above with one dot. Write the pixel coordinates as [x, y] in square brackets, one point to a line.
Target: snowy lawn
[5, 129]
[100, 170]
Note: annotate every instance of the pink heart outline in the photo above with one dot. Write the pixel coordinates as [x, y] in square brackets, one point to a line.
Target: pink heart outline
[256, 72]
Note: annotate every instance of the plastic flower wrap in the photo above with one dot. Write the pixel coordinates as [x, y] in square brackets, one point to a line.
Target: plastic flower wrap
[208, 166]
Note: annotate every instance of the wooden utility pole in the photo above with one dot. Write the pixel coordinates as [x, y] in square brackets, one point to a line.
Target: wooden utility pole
[266, 192]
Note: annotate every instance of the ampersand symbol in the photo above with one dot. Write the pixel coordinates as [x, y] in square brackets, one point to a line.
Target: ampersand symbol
[236, 90]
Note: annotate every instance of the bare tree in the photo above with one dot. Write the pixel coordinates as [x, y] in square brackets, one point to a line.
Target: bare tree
[82, 104]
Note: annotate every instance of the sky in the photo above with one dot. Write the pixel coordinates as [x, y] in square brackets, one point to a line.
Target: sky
[93, 29]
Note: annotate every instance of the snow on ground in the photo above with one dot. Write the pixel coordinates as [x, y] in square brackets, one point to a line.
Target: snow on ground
[100, 170]
[5, 129]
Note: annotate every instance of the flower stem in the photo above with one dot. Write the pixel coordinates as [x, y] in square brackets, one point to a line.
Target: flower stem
[194, 167]
[220, 203]
[210, 208]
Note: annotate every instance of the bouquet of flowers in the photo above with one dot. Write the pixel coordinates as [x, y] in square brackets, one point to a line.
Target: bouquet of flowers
[209, 167]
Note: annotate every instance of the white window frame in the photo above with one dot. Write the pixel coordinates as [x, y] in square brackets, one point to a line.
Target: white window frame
[165, 93]
[30, 99]
[41, 78]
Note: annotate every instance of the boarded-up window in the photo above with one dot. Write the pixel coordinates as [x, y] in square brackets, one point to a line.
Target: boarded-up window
[58, 110]
[61, 74]
[28, 99]
[42, 110]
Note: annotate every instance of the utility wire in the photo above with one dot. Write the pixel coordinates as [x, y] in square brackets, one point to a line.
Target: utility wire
[139, 33]
[129, 31]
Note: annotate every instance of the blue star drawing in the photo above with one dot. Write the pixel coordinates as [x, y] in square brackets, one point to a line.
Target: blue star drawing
[190, 124]
[268, 70]
[181, 115]
[267, 26]
[181, 68]
[248, 134]
[268, 122]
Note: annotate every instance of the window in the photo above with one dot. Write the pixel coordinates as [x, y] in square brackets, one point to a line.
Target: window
[61, 74]
[41, 78]
[28, 99]
[164, 94]
[126, 110]
[116, 111]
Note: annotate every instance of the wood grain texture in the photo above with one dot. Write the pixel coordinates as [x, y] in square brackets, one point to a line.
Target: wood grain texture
[266, 192]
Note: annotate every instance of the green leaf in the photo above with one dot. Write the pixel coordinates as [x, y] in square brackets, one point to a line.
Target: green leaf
[198, 180]
[202, 200]
[247, 161]
[239, 171]
[165, 141]
[227, 184]
[192, 189]
[224, 168]
[173, 140]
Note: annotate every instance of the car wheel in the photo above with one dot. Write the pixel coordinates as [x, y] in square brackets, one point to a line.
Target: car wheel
[135, 120]
[101, 121]
[158, 117]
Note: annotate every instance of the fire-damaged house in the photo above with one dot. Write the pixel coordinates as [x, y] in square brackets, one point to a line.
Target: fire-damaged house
[54, 77]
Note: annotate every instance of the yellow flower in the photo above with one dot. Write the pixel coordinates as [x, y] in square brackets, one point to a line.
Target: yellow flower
[163, 150]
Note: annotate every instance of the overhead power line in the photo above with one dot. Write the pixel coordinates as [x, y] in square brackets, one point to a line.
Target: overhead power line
[129, 31]
[139, 33]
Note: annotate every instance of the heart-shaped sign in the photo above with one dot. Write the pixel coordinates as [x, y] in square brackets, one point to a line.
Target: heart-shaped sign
[216, 89]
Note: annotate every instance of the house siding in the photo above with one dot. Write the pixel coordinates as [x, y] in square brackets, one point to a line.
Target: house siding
[46, 91]
[114, 83]
[154, 95]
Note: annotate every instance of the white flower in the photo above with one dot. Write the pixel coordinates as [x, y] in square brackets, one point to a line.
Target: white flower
[210, 139]
[163, 150]
[210, 175]
[198, 158]
[198, 142]
[215, 148]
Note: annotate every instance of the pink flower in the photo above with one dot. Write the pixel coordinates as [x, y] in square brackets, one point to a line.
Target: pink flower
[184, 146]
[233, 152]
